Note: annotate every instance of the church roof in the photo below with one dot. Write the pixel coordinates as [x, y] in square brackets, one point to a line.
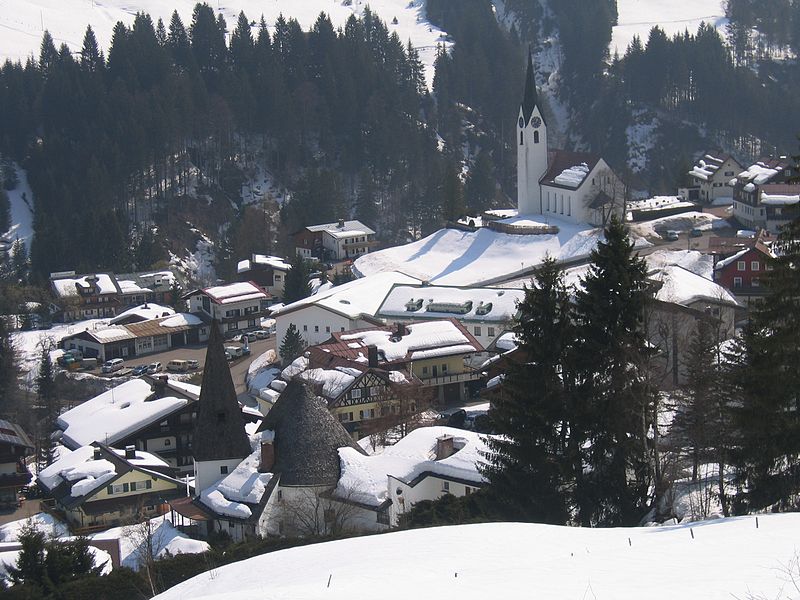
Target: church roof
[219, 431]
[577, 165]
[529, 99]
[307, 438]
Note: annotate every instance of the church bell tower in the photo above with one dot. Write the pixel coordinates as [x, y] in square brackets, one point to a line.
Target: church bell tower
[531, 148]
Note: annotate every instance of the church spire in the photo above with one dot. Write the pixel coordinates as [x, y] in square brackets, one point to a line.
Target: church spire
[219, 431]
[529, 100]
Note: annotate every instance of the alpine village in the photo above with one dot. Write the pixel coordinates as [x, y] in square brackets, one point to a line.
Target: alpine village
[399, 298]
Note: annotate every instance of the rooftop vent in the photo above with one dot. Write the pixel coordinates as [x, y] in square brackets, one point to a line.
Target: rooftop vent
[483, 309]
[130, 452]
[414, 305]
[450, 307]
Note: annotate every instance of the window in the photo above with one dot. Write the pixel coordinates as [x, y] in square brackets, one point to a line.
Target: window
[445, 486]
[355, 393]
[327, 329]
[569, 206]
[755, 282]
[361, 415]
[383, 517]
[424, 370]
[223, 470]
[467, 490]
[230, 524]
[535, 137]
[316, 328]
[444, 367]
[233, 326]
[741, 265]
[737, 282]
[520, 138]
[490, 331]
[343, 418]
[374, 391]
[755, 265]
[167, 442]
[477, 330]
[305, 327]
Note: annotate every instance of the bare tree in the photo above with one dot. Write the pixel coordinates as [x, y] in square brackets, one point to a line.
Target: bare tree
[313, 512]
[148, 541]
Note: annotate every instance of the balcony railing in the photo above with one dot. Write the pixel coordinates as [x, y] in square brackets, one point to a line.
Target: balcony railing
[445, 379]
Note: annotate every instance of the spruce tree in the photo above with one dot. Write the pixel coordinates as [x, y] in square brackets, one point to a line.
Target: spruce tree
[296, 284]
[5, 212]
[768, 454]
[617, 417]
[292, 344]
[528, 468]
[8, 367]
[48, 408]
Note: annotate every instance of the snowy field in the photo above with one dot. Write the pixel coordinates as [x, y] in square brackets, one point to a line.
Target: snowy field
[725, 559]
[638, 17]
[454, 257]
[28, 344]
[23, 21]
[21, 207]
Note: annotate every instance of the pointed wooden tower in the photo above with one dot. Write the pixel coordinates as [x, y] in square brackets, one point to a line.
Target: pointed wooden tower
[220, 442]
[531, 149]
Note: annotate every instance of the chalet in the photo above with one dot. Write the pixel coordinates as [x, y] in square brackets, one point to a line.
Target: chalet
[749, 189]
[269, 272]
[485, 312]
[142, 312]
[712, 174]
[153, 414]
[97, 486]
[341, 308]
[151, 286]
[94, 296]
[139, 338]
[236, 307]
[14, 475]
[742, 273]
[334, 241]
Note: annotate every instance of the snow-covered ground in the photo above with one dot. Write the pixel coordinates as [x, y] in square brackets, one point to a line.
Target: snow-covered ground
[47, 524]
[638, 17]
[21, 199]
[721, 559]
[23, 21]
[681, 222]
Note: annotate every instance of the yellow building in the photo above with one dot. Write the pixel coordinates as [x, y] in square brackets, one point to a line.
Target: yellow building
[98, 487]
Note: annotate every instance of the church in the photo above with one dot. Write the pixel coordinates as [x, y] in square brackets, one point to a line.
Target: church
[575, 187]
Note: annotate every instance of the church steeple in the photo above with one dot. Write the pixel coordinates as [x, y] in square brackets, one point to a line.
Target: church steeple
[529, 100]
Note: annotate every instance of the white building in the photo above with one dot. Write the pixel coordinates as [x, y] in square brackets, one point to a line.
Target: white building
[712, 174]
[569, 186]
[334, 241]
[267, 271]
[237, 306]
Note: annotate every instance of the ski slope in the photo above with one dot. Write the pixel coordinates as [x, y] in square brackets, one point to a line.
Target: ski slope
[721, 559]
[22, 22]
[638, 17]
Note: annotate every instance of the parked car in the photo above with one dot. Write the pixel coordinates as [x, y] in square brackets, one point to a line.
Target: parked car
[154, 367]
[696, 232]
[673, 235]
[139, 370]
[228, 356]
[178, 366]
[250, 336]
[235, 351]
[115, 364]
[88, 363]
[262, 334]
[193, 364]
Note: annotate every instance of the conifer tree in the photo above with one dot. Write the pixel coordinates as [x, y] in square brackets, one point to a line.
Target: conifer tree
[610, 309]
[292, 344]
[91, 59]
[5, 211]
[296, 283]
[48, 404]
[8, 367]
[528, 469]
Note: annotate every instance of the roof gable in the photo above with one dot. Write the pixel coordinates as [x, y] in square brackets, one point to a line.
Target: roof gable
[569, 170]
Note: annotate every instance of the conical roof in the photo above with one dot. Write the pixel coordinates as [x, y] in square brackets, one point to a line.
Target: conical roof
[219, 430]
[307, 438]
[529, 99]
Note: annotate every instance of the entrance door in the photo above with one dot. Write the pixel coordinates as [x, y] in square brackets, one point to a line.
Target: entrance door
[435, 370]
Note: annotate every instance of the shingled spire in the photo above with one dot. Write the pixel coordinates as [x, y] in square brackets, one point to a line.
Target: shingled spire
[529, 100]
[219, 431]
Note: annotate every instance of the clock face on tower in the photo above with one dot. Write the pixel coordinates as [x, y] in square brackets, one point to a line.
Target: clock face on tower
[536, 121]
[521, 122]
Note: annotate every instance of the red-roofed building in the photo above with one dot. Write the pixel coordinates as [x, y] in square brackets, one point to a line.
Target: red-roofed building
[743, 272]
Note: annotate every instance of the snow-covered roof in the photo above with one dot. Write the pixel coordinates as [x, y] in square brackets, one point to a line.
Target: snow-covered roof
[81, 469]
[262, 259]
[708, 165]
[780, 199]
[365, 479]
[243, 486]
[116, 413]
[681, 286]
[144, 312]
[333, 381]
[130, 287]
[103, 283]
[181, 320]
[354, 298]
[726, 558]
[235, 292]
[474, 258]
[731, 259]
[506, 342]
[471, 304]
[659, 203]
[572, 176]
[346, 228]
[111, 334]
[761, 172]
[420, 341]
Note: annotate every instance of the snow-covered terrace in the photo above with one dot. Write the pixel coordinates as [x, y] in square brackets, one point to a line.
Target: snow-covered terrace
[68, 286]
[261, 259]
[484, 304]
[235, 292]
[144, 312]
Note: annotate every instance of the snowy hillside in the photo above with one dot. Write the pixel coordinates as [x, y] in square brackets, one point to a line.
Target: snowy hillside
[23, 21]
[725, 559]
[637, 17]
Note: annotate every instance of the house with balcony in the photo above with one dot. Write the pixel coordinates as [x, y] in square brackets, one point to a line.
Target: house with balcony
[97, 486]
[269, 272]
[152, 414]
[15, 446]
[770, 176]
[711, 175]
[334, 241]
[236, 307]
[742, 273]
[150, 286]
[93, 296]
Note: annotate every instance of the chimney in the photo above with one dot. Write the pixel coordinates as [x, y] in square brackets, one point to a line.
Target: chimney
[400, 329]
[341, 223]
[444, 447]
[372, 355]
[267, 457]
[160, 385]
[98, 455]
[130, 452]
